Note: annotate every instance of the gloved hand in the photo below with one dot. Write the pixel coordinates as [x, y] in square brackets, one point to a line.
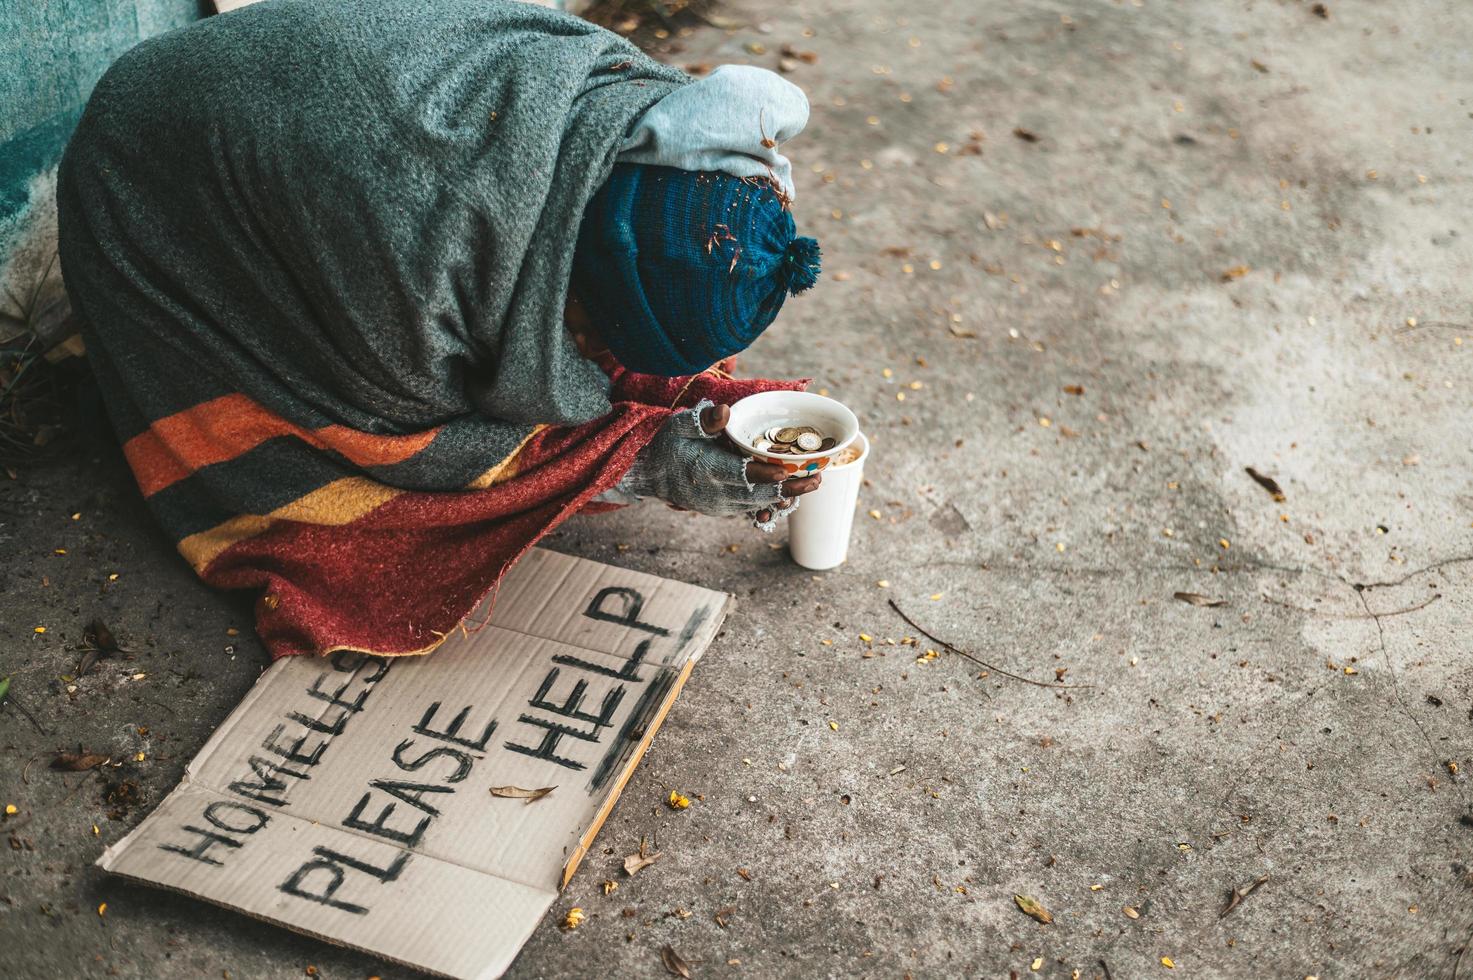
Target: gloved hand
[685, 465]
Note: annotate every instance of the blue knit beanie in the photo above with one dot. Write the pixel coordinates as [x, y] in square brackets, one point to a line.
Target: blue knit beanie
[679, 269]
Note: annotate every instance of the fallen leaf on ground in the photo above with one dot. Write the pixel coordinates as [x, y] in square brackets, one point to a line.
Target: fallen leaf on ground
[100, 643]
[807, 57]
[1026, 135]
[574, 918]
[1267, 482]
[77, 761]
[100, 636]
[1033, 909]
[962, 332]
[677, 966]
[517, 793]
[1236, 272]
[676, 801]
[1237, 896]
[635, 863]
[723, 914]
[1197, 599]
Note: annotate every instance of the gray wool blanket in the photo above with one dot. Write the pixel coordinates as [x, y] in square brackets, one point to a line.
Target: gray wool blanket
[358, 213]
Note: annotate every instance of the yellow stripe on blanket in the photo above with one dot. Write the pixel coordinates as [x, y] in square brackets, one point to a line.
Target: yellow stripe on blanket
[339, 502]
[504, 470]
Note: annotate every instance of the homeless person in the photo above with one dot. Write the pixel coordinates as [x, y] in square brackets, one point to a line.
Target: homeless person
[378, 292]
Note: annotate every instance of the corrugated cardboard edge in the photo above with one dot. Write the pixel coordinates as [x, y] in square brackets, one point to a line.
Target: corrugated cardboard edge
[712, 626]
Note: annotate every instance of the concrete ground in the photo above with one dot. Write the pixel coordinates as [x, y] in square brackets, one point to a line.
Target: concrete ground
[1085, 262]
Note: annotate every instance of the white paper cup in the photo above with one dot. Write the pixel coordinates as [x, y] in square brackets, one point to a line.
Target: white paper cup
[818, 531]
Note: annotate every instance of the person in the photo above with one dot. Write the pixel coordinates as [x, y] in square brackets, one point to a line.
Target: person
[378, 292]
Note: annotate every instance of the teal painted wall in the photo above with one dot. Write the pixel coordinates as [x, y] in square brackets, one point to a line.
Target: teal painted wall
[51, 54]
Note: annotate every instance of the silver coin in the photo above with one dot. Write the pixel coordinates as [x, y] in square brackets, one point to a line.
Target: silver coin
[810, 441]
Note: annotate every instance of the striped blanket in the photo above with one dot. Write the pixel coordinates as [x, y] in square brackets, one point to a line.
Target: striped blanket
[344, 560]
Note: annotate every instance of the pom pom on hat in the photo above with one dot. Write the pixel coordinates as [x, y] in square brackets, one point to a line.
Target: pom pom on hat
[801, 264]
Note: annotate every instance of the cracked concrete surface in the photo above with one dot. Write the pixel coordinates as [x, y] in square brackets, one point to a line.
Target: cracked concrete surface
[1242, 231]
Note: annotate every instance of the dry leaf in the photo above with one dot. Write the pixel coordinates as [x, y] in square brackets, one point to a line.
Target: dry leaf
[1026, 135]
[100, 643]
[1131, 913]
[1074, 389]
[807, 57]
[100, 636]
[1033, 909]
[1267, 482]
[1236, 272]
[677, 966]
[1237, 896]
[962, 332]
[574, 918]
[77, 761]
[517, 793]
[635, 863]
[745, 873]
[1197, 599]
[723, 914]
[677, 801]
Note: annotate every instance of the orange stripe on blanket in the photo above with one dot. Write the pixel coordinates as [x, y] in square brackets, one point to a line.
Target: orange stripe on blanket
[339, 502]
[223, 428]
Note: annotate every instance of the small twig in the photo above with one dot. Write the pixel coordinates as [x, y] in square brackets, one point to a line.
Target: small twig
[10, 699]
[25, 776]
[978, 660]
[1238, 897]
[1106, 967]
[68, 797]
[1332, 615]
[1457, 963]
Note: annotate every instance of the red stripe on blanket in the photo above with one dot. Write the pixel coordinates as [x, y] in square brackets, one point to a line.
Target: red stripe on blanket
[223, 428]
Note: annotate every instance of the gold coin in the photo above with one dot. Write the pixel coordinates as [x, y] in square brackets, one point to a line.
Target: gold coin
[787, 434]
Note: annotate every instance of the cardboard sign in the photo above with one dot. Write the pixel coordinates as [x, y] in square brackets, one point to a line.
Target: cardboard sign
[350, 797]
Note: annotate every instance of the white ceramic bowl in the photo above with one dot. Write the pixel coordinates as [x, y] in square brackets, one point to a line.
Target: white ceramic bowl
[754, 415]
